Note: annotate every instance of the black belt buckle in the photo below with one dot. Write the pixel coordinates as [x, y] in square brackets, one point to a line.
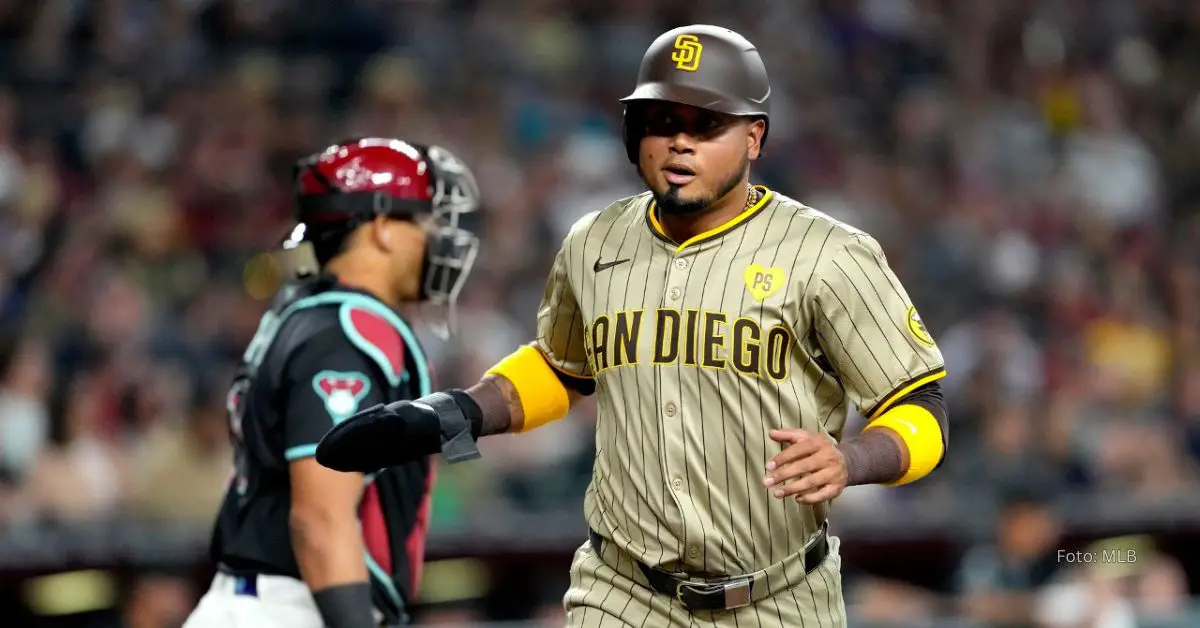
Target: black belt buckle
[714, 596]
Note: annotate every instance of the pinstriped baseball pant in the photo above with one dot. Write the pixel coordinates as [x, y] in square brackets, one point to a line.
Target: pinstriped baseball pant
[611, 592]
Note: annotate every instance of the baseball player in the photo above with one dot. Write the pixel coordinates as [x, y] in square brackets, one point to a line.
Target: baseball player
[299, 545]
[724, 329]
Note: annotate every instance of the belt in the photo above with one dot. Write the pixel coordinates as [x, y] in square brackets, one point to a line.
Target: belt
[721, 595]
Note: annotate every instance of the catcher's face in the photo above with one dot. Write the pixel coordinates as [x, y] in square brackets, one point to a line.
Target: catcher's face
[401, 247]
[691, 157]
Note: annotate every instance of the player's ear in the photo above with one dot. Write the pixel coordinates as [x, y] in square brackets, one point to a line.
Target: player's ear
[382, 233]
[754, 138]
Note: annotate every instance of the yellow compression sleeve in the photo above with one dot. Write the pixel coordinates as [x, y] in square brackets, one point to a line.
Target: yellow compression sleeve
[542, 395]
[922, 435]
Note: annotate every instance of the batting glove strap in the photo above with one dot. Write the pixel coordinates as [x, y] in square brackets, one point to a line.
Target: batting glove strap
[458, 415]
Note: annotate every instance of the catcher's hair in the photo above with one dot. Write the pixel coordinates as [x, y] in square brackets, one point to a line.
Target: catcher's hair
[331, 241]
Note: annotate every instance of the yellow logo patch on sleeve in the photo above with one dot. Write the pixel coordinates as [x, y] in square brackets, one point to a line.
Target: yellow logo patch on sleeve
[916, 327]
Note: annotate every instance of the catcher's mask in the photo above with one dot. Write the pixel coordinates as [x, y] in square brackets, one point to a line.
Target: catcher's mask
[353, 182]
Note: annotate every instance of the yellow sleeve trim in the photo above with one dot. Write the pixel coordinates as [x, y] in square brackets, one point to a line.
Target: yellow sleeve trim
[542, 395]
[907, 388]
[922, 435]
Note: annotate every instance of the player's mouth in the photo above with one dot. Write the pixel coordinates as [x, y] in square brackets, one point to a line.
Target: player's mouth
[678, 174]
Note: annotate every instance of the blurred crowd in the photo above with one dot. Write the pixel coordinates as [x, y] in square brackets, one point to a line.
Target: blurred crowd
[1028, 166]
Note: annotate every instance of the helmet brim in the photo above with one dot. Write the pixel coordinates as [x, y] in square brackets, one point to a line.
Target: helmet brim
[695, 97]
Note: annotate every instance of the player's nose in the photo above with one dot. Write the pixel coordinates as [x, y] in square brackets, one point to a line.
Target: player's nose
[682, 144]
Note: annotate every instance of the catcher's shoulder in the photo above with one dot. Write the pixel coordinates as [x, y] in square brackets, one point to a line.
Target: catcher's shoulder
[337, 320]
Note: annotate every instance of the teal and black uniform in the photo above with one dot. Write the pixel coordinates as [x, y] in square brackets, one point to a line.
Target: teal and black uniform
[322, 352]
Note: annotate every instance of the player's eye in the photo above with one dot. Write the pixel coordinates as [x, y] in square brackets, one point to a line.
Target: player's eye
[707, 124]
[663, 124]
[668, 124]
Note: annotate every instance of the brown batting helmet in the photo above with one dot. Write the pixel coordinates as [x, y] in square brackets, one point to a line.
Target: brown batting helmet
[704, 66]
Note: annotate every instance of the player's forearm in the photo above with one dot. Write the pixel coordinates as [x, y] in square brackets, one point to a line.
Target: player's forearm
[500, 404]
[522, 392]
[904, 444]
[328, 548]
[874, 457]
[329, 552]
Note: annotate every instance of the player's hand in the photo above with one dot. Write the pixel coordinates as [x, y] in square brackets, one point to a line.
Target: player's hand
[381, 436]
[810, 468]
[385, 436]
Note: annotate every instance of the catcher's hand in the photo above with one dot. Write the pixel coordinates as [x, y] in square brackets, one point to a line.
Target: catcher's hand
[388, 435]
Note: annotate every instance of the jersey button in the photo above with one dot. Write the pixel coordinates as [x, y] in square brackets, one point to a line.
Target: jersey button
[681, 263]
[676, 293]
[694, 552]
[677, 483]
[670, 409]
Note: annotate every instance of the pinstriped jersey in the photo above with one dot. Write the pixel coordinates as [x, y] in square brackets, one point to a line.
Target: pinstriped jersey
[780, 318]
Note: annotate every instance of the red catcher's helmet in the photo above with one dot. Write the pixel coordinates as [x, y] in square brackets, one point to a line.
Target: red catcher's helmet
[353, 182]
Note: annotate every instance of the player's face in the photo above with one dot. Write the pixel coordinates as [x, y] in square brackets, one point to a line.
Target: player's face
[692, 157]
[405, 250]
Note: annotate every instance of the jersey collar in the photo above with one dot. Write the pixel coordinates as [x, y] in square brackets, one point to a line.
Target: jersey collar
[329, 281]
[716, 232]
